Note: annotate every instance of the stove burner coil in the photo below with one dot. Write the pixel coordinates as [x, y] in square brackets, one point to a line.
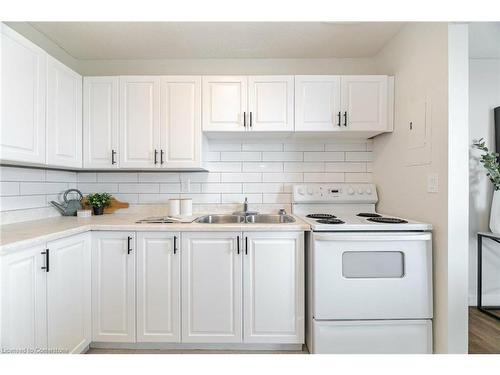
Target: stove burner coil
[330, 221]
[321, 216]
[389, 220]
[368, 214]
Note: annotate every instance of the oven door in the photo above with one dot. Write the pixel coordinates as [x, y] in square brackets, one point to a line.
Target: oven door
[372, 276]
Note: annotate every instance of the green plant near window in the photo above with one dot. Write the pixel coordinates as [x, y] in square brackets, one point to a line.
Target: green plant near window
[490, 162]
[99, 199]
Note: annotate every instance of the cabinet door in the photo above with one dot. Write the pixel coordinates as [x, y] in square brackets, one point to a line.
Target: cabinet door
[211, 287]
[23, 83]
[224, 103]
[139, 122]
[273, 286]
[158, 287]
[180, 122]
[100, 122]
[317, 103]
[68, 294]
[24, 309]
[64, 115]
[113, 286]
[364, 102]
[270, 103]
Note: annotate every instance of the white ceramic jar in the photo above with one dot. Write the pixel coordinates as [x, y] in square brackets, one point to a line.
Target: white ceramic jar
[174, 207]
[186, 207]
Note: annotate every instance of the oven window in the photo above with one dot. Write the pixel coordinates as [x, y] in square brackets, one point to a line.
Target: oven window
[372, 264]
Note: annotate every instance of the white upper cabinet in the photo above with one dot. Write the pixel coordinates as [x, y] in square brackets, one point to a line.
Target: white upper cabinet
[68, 294]
[365, 103]
[23, 300]
[64, 115]
[139, 122]
[270, 103]
[211, 287]
[180, 122]
[224, 103]
[273, 287]
[113, 286]
[100, 122]
[317, 103]
[158, 287]
[23, 84]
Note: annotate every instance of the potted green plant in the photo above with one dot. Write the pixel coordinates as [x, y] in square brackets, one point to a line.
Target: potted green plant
[490, 161]
[98, 201]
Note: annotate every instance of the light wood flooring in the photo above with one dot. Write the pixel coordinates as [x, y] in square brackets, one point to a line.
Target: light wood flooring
[484, 333]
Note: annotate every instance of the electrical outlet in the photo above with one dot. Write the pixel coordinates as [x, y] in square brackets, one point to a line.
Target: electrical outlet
[433, 183]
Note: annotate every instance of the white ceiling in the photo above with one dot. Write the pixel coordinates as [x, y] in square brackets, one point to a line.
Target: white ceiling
[164, 40]
[484, 40]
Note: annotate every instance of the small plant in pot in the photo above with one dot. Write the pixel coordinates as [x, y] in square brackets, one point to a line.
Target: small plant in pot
[98, 201]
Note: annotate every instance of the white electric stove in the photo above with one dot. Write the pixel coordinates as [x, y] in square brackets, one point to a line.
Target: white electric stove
[369, 275]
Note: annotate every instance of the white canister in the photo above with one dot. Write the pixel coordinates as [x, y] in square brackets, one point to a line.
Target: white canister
[174, 207]
[495, 213]
[186, 207]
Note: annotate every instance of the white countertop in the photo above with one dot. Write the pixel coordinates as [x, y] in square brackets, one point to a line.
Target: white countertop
[31, 233]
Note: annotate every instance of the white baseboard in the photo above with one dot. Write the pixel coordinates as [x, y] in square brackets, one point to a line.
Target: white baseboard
[186, 346]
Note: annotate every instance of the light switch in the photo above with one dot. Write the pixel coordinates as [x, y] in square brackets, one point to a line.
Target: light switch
[433, 183]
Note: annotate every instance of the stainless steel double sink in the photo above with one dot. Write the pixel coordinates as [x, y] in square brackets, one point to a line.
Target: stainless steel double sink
[250, 219]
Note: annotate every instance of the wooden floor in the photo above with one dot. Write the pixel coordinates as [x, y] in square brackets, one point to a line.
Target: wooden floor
[177, 351]
[484, 333]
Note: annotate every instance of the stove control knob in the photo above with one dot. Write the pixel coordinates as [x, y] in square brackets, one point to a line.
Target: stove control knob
[368, 190]
[300, 191]
[361, 191]
[350, 190]
[310, 190]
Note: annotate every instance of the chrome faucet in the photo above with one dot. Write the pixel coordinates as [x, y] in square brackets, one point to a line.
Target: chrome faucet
[245, 206]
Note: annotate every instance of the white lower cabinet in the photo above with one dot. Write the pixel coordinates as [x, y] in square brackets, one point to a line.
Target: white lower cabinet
[211, 287]
[68, 294]
[113, 286]
[24, 302]
[158, 287]
[273, 287]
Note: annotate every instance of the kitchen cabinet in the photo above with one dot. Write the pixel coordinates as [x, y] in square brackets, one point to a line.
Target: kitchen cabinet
[270, 103]
[246, 103]
[180, 122]
[344, 104]
[273, 287]
[211, 287]
[68, 294]
[139, 122]
[24, 300]
[317, 103]
[23, 84]
[158, 287]
[64, 115]
[113, 286]
[225, 103]
[100, 122]
[365, 103]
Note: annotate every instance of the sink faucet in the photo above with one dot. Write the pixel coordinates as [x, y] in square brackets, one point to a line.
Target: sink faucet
[245, 206]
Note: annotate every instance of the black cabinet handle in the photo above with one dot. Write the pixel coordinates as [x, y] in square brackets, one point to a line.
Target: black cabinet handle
[345, 118]
[156, 156]
[175, 244]
[237, 244]
[46, 253]
[161, 156]
[246, 245]
[250, 119]
[129, 248]
[113, 153]
[244, 119]
[338, 123]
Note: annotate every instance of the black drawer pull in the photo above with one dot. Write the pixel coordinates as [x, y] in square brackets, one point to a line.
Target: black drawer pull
[175, 244]
[46, 253]
[129, 248]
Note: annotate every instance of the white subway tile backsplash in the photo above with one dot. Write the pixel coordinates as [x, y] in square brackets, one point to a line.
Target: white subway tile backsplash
[60, 176]
[86, 177]
[241, 177]
[176, 188]
[223, 167]
[156, 198]
[221, 188]
[262, 147]
[117, 177]
[22, 202]
[304, 167]
[9, 188]
[190, 188]
[158, 177]
[240, 156]
[35, 188]
[358, 177]
[203, 198]
[276, 198]
[345, 147]
[283, 156]
[324, 177]
[224, 146]
[369, 167]
[345, 167]
[323, 156]
[359, 156]
[87, 188]
[240, 198]
[128, 198]
[212, 156]
[262, 167]
[139, 188]
[21, 174]
[282, 177]
[200, 177]
[304, 147]
[262, 188]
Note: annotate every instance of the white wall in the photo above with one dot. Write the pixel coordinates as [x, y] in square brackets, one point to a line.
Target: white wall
[484, 86]
[418, 57]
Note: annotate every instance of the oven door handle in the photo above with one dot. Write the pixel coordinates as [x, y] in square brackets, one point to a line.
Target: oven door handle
[373, 237]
